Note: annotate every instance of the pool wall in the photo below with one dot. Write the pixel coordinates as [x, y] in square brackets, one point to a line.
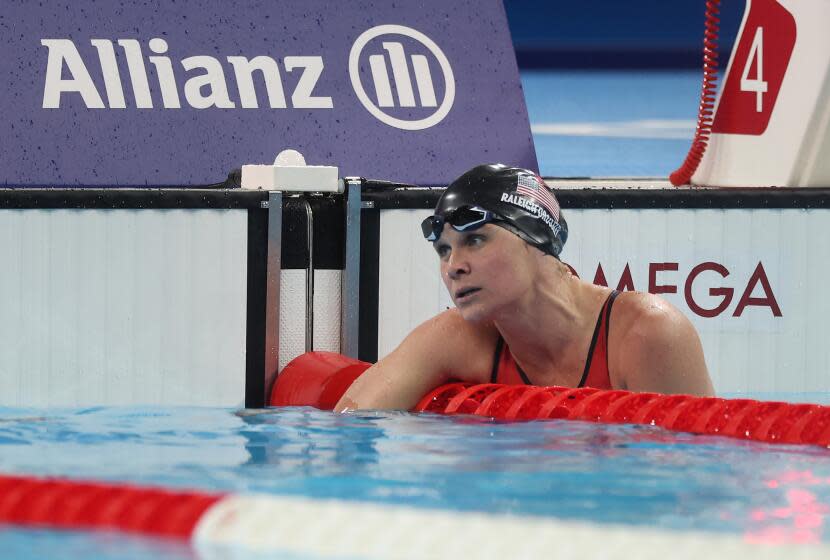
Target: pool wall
[159, 296]
[195, 297]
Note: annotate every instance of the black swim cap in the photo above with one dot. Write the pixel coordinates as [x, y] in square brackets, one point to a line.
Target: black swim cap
[518, 197]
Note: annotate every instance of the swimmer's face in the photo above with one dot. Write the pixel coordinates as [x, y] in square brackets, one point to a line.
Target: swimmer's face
[485, 270]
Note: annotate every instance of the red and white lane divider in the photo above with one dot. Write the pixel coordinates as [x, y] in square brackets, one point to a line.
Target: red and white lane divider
[319, 379]
[232, 526]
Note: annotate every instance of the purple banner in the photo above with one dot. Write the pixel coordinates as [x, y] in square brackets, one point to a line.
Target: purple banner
[115, 94]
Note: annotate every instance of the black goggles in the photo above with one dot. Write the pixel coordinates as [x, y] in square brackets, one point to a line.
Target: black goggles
[462, 219]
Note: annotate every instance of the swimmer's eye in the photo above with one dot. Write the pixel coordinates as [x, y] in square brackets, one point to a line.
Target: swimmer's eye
[475, 240]
[442, 250]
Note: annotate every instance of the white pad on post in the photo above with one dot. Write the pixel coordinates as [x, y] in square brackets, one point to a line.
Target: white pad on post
[290, 173]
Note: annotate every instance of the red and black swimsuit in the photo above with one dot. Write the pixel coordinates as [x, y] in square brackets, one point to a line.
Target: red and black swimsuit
[507, 371]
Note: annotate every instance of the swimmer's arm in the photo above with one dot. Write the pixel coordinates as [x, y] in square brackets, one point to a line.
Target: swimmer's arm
[661, 352]
[427, 358]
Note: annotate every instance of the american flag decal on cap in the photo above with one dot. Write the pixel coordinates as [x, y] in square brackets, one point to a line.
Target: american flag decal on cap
[532, 186]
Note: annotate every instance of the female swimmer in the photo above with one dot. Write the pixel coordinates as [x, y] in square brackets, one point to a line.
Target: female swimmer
[521, 315]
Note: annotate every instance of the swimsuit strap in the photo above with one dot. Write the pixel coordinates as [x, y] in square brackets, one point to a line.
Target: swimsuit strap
[500, 357]
[604, 317]
[494, 373]
[522, 373]
[504, 361]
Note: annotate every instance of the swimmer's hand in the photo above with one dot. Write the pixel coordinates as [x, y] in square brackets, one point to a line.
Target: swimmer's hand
[346, 405]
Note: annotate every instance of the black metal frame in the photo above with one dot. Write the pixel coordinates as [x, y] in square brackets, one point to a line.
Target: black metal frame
[633, 198]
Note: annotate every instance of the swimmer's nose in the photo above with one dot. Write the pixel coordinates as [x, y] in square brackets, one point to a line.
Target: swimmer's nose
[457, 267]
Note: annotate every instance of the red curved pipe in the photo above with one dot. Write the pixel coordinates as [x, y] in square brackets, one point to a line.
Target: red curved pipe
[706, 110]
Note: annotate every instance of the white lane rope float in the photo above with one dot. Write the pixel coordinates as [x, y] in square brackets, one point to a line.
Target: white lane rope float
[236, 525]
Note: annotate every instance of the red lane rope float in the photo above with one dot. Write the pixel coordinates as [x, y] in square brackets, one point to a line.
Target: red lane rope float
[319, 380]
[772, 422]
[706, 110]
[66, 504]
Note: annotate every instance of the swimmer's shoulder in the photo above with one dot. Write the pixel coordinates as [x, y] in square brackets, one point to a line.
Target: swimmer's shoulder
[641, 314]
[651, 337]
[463, 347]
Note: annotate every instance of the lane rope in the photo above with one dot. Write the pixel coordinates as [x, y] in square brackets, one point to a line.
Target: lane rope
[232, 526]
[319, 379]
[766, 421]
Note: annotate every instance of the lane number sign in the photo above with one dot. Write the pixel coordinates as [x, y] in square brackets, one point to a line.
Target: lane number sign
[757, 72]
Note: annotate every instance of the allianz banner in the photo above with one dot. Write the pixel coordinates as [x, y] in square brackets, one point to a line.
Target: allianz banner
[123, 94]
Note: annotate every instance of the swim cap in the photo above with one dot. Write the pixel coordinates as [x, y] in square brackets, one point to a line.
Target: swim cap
[520, 200]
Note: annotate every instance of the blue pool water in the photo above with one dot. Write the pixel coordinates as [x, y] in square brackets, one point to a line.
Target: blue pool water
[611, 124]
[633, 475]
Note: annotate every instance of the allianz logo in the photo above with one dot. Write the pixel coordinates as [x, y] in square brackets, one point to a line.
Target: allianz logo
[68, 74]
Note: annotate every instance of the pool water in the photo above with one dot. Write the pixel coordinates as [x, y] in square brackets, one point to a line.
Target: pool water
[618, 474]
[611, 123]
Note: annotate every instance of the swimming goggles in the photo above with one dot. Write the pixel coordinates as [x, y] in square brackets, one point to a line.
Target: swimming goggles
[461, 219]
